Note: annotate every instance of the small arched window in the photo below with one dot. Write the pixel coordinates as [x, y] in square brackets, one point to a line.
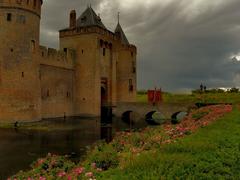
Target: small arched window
[101, 43]
[104, 51]
[9, 17]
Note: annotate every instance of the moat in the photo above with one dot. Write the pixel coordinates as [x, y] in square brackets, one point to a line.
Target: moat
[20, 147]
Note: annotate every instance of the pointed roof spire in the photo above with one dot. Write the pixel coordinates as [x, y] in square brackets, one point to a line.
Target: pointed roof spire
[119, 31]
[89, 18]
[118, 17]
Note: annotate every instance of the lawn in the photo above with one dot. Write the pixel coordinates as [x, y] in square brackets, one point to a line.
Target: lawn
[213, 152]
[194, 98]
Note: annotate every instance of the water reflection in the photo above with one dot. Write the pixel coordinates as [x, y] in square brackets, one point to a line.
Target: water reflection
[19, 148]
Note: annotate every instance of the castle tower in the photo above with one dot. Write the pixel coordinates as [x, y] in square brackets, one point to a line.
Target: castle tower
[126, 68]
[95, 64]
[87, 65]
[19, 81]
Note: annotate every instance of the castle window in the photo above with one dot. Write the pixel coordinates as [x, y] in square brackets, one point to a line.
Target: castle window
[27, 1]
[65, 50]
[9, 17]
[83, 19]
[130, 85]
[22, 74]
[82, 51]
[101, 43]
[132, 54]
[34, 3]
[68, 94]
[104, 51]
[33, 45]
[42, 54]
[11, 49]
[133, 67]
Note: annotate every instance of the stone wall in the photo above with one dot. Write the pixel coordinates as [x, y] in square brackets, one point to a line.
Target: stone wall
[56, 91]
[126, 74]
[87, 73]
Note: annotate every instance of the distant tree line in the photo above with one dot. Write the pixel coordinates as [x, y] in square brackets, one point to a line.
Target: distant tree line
[203, 89]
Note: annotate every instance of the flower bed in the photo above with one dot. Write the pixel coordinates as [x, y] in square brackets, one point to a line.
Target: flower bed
[125, 146]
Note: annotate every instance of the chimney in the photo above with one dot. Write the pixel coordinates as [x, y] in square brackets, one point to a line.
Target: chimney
[73, 18]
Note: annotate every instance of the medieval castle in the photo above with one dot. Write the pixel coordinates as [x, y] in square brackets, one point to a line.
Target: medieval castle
[94, 67]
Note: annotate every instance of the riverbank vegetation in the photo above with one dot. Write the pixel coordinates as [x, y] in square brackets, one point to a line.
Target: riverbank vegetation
[195, 148]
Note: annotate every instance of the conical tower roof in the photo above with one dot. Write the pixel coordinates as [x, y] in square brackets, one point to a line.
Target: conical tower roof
[89, 18]
[122, 35]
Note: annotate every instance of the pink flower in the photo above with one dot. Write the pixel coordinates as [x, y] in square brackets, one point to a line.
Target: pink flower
[40, 161]
[42, 178]
[93, 165]
[61, 174]
[89, 174]
[69, 178]
[78, 171]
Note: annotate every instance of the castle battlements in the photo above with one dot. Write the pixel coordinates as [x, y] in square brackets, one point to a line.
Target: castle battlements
[32, 6]
[59, 58]
[87, 30]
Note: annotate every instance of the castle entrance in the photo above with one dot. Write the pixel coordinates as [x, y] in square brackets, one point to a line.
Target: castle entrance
[106, 110]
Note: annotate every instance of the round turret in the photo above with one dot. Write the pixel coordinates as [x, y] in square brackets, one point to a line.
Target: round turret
[19, 71]
[20, 23]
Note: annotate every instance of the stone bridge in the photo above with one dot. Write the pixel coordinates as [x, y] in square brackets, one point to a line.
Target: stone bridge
[140, 110]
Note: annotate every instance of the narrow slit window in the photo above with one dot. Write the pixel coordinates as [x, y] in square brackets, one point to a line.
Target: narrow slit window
[9, 17]
[68, 94]
[34, 3]
[104, 51]
[133, 67]
[22, 74]
[33, 45]
[65, 50]
[130, 85]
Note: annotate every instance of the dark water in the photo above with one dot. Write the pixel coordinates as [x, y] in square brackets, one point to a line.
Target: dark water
[19, 148]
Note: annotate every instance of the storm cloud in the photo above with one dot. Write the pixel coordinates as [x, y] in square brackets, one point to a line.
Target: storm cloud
[181, 43]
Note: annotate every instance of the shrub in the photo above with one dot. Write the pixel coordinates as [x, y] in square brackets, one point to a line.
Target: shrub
[105, 157]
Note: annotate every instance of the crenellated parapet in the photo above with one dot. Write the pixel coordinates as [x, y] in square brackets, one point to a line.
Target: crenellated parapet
[59, 58]
[87, 30]
[32, 6]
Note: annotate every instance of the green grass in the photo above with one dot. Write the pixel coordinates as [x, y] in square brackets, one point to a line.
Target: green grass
[211, 153]
[193, 98]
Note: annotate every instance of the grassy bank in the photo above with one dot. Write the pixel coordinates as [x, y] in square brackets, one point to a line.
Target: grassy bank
[195, 148]
[211, 153]
[193, 98]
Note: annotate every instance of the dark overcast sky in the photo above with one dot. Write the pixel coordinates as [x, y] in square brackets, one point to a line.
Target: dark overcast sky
[181, 43]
